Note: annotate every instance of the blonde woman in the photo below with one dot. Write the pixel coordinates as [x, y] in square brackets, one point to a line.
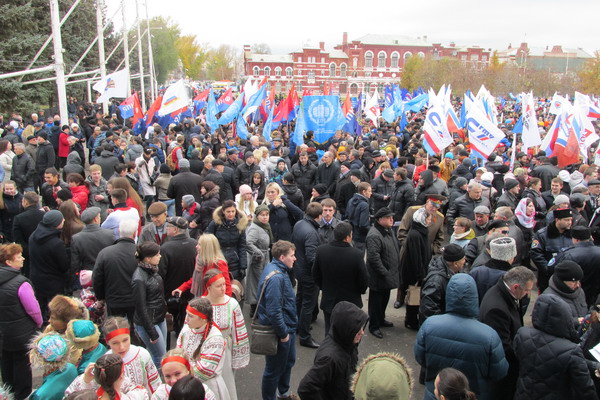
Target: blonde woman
[209, 256]
[283, 214]
[261, 161]
[246, 201]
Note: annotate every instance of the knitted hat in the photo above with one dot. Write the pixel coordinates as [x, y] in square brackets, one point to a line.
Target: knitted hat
[453, 252]
[568, 271]
[164, 169]
[261, 208]
[88, 215]
[64, 194]
[248, 155]
[388, 173]
[321, 188]
[184, 163]
[581, 232]
[157, 208]
[53, 218]
[560, 199]
[83, 333]
[504, 249]
[434, 168]
[510, 183]
[562, 213]
[49, 351]
[449, 155]
[460, 182]
[245, 189]
[188, 199]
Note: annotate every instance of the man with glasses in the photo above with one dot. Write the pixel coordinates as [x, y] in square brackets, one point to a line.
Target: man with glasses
[156, 230]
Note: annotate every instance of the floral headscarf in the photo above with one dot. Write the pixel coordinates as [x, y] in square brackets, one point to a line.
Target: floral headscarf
[521, 213]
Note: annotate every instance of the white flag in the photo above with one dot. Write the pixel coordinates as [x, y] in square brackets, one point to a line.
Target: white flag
[113, 85]
[175, 98]
[372, 110]
[557, 104]
[531, 133]
[484, 136]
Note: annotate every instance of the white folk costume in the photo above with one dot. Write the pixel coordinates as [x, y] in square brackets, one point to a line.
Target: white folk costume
[208, 366]
[128, 388]
[162, 393]
[230, 320]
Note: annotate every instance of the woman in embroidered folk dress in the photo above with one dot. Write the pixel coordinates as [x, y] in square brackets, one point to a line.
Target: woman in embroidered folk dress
[109, 375]
[176, 366]
[227, 315]
[204, 346]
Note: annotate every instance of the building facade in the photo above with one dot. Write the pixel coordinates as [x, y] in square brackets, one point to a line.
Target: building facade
[364, 64]
[555, 59]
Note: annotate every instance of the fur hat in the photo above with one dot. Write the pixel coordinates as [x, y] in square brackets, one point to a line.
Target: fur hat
[67, 308]
[49, 351]
[504, 249]
[84, 334]
[385, 375]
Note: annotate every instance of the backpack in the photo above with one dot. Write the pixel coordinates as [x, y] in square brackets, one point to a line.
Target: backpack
[171, 160]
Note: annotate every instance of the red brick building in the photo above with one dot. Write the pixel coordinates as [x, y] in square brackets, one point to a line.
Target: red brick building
[369, 62]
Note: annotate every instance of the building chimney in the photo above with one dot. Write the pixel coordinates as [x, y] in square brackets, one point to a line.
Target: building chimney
[322, 46]
[345, 39]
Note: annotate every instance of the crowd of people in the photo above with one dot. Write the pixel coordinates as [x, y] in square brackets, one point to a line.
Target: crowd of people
[112, 241]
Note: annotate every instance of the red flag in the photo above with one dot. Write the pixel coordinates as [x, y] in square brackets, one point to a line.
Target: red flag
[326, 89]
[226, 98]
[570, 155]
[264, 81]
[202, 96]
[347, 106]
[267, 103]
[152, 110]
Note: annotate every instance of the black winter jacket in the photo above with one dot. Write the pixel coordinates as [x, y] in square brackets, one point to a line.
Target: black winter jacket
[383, 258]
[45, 157]
[547, 243]
[304, 176]
[12, 208]
[177, 262]
[327, 174]
[306, 238]
[486, 276]
[185, 182]
[243, 174]
[114, 268]
[48, 261]
[232, 238]
[587, 255]
[402, 197]
[359, 215]
[551, 364]
[381, 188]
[282, 219]
[294, 194]
[23, 170]
[24, 224]
[463, 207]
[433, 291]
[16, 326]
[575, 299]
[337, 358]
[107, 161]
[47, 192]
[149, 299]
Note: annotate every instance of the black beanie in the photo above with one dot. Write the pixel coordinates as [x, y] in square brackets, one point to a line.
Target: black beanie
[453, 252]
[568, 271]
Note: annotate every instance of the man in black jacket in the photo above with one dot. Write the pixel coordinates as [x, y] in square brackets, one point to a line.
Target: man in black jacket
[305, 237]
[402, 196]
[340, 272]
[245, 171]
[23, 169]
[304, 173]
[185, 182]
[45, 156]
[501, 310]
[87, 244]
[25, 223]
[383, 258]
[327, 171]
[382, 187]
[336, 360]
[113, 271]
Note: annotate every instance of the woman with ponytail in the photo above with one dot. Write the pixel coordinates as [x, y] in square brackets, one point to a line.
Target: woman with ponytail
[204, 346]
[451, 384]
[227, 315]
[175, 367]
[109, 375]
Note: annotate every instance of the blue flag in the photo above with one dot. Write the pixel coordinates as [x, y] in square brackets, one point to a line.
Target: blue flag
[416, 103]
[242, 129]
[298, 136]
[323, 115]
[268, 127]
[518, 128]
[403, 121]
[232, 111]
[211, 112]
[255, 101]
[388, 96]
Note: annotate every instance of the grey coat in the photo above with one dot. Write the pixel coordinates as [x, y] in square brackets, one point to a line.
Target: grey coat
[101, 190]
[86, 245]
[257, 245]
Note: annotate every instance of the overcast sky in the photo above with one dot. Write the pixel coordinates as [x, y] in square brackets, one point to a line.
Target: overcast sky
[285, 25]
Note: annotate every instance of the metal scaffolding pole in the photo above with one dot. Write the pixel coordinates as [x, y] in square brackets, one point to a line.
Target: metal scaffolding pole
[27, 72]
[150, 58]
[126, 46]
[140, 58]
[101, 57]
[59, 65]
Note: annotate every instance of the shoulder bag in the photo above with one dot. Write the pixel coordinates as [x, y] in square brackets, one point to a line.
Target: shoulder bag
[263, 340]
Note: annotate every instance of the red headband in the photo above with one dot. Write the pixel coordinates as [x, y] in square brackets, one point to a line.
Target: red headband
[214, 279]
[117, 332]
[177, 359]
[100, 392]
[196, 312]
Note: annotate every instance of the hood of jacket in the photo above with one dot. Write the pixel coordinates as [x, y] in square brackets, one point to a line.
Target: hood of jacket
[107, 154]
[43, 233]
[549, 315]
[7, 273]
[73, 158]
[137, 148]
[462, 297]
[383, 376]
[290, 188]
[427, 177]
[346, 320]
[357, 198]
[241, 219]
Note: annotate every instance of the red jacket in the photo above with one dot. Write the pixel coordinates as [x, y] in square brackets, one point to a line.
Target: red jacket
[63, 145]
[81, 195]
[222, 266]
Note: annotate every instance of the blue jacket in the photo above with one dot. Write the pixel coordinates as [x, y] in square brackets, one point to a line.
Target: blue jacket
[456, 339]
[358, 214]
[278, 305]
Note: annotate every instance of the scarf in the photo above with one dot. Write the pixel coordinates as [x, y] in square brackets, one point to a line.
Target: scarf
[266, 227]
[149, 267]
[521, 214]
[197, 288]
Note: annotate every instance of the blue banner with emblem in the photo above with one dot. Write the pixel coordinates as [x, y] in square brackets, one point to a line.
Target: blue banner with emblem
[323, 115]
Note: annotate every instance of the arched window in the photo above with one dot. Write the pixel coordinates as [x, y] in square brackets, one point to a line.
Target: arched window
[395, 58]
[332, 69]
[289, 72]
[407, 55]
[256, 72]
[343, 70]
[421, 54]
[368, 59]
[381, 59]
[278, 72]
[267, 71]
